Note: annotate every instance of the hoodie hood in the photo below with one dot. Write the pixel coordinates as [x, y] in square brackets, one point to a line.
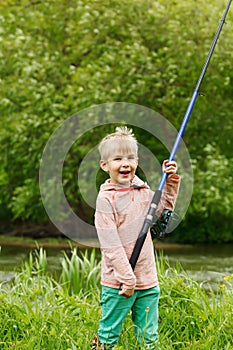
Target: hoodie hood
[135, 183]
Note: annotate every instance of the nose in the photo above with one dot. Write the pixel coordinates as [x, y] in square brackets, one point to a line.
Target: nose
[125, 162]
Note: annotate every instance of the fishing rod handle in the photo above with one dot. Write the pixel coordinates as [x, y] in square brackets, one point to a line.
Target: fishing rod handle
[148, 222]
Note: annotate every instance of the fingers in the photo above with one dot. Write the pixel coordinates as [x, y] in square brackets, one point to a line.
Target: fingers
[169, 167]
[126, 293]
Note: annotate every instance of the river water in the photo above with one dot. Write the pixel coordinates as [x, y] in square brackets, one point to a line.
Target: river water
[205, 263]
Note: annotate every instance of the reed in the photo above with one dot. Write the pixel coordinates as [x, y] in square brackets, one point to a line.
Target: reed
[80, 272]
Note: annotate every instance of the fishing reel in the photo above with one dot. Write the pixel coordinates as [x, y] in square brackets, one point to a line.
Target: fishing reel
[158, 230]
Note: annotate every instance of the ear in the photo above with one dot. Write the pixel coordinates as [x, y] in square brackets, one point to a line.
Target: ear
[104, 165]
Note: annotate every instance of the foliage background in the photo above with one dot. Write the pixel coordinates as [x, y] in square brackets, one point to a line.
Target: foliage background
[59, 57]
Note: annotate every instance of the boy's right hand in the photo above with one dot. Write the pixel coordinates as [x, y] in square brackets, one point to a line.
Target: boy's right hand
[126, 292]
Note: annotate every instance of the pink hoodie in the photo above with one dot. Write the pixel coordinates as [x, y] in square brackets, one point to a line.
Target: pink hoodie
[120, 213]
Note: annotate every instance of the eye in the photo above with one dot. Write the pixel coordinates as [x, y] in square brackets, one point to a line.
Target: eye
[117, 158]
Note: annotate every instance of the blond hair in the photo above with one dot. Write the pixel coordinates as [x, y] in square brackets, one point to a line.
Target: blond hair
[122, 140]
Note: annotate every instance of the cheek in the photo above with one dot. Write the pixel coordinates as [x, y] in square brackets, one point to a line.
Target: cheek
[114, 170]
[134, 169]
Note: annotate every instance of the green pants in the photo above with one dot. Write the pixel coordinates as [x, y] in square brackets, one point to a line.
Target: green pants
[144, 306]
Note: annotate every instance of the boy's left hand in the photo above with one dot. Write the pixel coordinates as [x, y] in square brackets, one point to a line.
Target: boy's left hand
[169, 167]
[126, 292]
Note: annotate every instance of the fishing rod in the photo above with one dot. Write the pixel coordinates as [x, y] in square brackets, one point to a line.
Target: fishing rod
[151, 218]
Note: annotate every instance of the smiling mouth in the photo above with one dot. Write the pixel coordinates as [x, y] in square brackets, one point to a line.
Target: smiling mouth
[126, 172]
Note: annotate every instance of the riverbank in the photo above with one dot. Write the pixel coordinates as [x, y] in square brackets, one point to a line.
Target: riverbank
[64, 243]
[205, 263]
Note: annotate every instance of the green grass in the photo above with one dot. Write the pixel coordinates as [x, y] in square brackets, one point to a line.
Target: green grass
[38, 312]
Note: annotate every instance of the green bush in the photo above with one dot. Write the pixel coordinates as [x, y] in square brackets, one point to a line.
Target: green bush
[76, 55]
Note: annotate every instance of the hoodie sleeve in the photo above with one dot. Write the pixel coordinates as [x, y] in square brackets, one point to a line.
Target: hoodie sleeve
[169, 193]
[114, 258]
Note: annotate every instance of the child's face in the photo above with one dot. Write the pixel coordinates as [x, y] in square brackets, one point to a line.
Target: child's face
[121, 167]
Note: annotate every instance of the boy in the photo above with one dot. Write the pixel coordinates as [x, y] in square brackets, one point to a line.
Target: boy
[122, 205]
